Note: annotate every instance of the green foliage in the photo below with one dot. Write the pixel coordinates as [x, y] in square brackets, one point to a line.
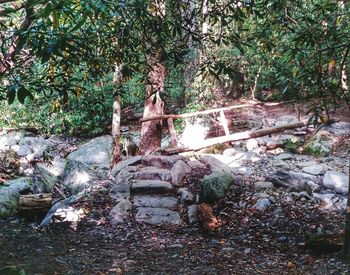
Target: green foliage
[86, 114]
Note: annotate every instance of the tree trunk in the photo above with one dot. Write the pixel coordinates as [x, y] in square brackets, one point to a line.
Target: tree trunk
[151, 131]
[117, 78]
[346, 246]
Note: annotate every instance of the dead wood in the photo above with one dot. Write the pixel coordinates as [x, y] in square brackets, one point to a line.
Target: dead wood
[235, 137]
[37, 203]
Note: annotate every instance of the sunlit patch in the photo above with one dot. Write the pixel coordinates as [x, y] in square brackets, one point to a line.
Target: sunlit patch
[81, 177]
[194, 134]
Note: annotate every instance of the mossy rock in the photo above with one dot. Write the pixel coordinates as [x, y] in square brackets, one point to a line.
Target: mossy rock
[9, 195]
[319, 146]
[214, 186]
[293, 144]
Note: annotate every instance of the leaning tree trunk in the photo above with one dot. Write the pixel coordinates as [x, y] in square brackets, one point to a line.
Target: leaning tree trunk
[117, 78]
[346, 247]
[151, 131]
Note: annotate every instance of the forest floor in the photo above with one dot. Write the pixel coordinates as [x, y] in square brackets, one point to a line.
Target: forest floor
[248, 242]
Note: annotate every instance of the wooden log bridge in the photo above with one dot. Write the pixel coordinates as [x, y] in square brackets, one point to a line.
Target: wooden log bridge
[223, 121]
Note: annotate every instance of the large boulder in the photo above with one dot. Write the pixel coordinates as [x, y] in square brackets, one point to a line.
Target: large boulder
[78, 176]
[214, 186]
[96, 153]
[336, 181]
[9, 195]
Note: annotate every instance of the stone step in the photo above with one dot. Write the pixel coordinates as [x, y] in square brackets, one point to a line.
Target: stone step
[157, 216]
[155, 201]
[151, 186]
[153, 173]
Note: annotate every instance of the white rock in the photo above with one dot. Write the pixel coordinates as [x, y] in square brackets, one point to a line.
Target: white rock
[252, 144]
[336, 181]
[316, 170]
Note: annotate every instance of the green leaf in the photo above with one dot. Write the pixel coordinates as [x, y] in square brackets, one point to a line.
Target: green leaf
[21, 94]
[79, 24]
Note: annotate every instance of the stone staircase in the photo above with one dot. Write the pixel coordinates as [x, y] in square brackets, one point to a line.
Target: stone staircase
[148, 190]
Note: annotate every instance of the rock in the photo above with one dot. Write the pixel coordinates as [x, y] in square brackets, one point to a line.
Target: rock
[55, 167]
[339, 128]
[153, 173]
[185, 195]
[155, 201]
[214, 186]
[284, 156]
[43, 181]
[151, 186]
[179, 172]
[120, 192]
[34, 147]
[165, 162]
[157, 216]
[246, 156]
[247, 250]
[261, 150]
[9, 195]
[199, 168]
[313, 186]
[246, 171]
[273, 144]
[320, 144]
[215, 164]
[124, 163]
[11, 139]
[252, 144]
[230, 152]
[262, 204]
[78, 176]
[261, 185]
[330, 201]
[124, 177]
[279, 163]
[336, 181]
[192, 214]
[120, 213]
[294, 180]
[96, 153]
[315, 170]
[307, 163]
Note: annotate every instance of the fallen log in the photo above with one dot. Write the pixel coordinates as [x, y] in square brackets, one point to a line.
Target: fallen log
[234, 137]
[34, 204]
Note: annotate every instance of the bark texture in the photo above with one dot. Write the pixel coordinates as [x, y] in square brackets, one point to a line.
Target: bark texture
[151, 131]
